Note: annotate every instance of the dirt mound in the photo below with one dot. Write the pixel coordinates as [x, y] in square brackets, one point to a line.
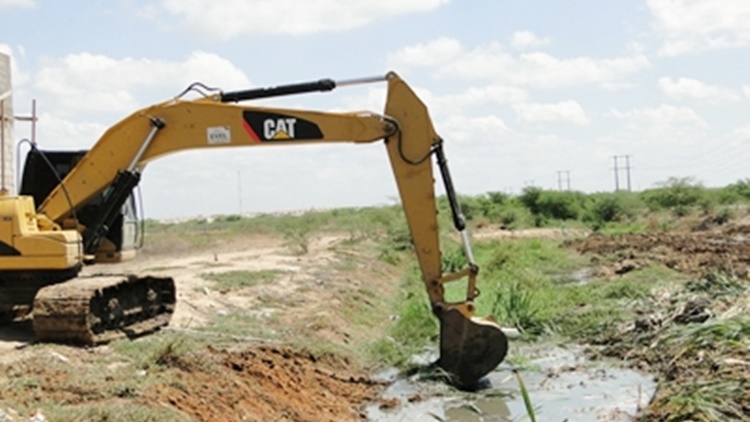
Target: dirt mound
[263, 384]
[689, 253]
[260, 384]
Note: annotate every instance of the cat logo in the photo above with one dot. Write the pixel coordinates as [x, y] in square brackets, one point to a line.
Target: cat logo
[263, 126]
[282, 128]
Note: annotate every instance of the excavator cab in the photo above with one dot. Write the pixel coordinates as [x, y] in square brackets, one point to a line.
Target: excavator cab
[43, 171]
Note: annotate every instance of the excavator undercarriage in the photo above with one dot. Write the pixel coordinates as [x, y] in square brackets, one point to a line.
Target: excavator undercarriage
[99, 309]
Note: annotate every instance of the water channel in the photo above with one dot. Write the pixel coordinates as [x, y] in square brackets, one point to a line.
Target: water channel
[562, 383]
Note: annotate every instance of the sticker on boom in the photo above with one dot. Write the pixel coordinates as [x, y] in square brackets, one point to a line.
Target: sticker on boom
[219, 135]
[262, 127]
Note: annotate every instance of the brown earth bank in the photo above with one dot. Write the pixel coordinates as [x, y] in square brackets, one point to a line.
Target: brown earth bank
[281, 355]
[259, 384]
[267, 383]
[697, 252]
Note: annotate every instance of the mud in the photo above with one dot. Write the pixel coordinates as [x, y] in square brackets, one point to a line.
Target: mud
[561, 382]
[694, 253]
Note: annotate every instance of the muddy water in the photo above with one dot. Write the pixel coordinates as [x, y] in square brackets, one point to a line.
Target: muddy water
[562, 385]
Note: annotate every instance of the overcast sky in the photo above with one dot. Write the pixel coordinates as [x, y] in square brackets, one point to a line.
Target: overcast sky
[522, 91]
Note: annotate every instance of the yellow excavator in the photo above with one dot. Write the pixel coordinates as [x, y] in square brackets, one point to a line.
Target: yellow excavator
[85, 214]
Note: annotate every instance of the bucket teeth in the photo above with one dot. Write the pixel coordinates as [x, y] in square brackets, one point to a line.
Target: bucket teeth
[95, 310]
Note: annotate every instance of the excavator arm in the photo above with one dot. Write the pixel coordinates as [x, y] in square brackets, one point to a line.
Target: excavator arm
[469, 347]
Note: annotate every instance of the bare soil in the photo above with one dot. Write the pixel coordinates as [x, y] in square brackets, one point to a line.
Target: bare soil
[266, 374]
[696, 252]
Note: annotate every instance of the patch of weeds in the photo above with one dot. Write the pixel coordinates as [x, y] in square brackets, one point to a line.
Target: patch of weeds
[704, 400]
[363, 308]
[715, 283]
[397, 240]
[232, 280]
[453, 260]
[243, 325]
[519, 307]
[162, 268]
[387, 350]
[414, 325]
[296, 233]
[115, 410]
[159, 350]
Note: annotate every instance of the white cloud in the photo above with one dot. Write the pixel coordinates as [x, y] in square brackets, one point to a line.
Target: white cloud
[87, 82]
[692, 88]
[695, 25]
[443, 105]
[56, 132]
[489, 94]
[565, 111]
[527, 39]
[746, 90]
[16, 3]
[474, 130]
[428, 54]
[740, 136]
[492, 61]
[663, 116]
[228, 18]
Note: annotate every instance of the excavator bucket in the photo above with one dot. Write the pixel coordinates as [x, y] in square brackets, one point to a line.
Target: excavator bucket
[470, 348]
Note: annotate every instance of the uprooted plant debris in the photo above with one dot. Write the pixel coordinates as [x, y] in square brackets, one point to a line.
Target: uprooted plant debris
[695, 335]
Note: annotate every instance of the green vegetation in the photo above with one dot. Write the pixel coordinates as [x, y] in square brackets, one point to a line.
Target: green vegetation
[114, 410]
[231, 280]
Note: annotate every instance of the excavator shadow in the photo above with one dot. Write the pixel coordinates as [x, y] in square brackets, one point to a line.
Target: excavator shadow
[18, 333]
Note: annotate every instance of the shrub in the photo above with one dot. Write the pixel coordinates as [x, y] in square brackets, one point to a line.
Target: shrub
[676, 194]
[553, 204]
[610, 207]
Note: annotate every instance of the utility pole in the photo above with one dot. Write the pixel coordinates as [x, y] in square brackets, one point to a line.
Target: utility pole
[617, 169]
[560, 180]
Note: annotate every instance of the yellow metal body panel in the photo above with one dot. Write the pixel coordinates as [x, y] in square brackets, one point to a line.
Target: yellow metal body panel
[188, 125]
[29, 248]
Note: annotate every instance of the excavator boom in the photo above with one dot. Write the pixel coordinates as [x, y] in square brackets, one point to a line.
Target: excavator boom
[469, 347]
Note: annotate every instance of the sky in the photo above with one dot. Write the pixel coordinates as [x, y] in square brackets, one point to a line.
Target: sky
[524, 92]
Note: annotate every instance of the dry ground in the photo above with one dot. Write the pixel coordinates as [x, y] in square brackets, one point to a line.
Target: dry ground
[279, 369]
